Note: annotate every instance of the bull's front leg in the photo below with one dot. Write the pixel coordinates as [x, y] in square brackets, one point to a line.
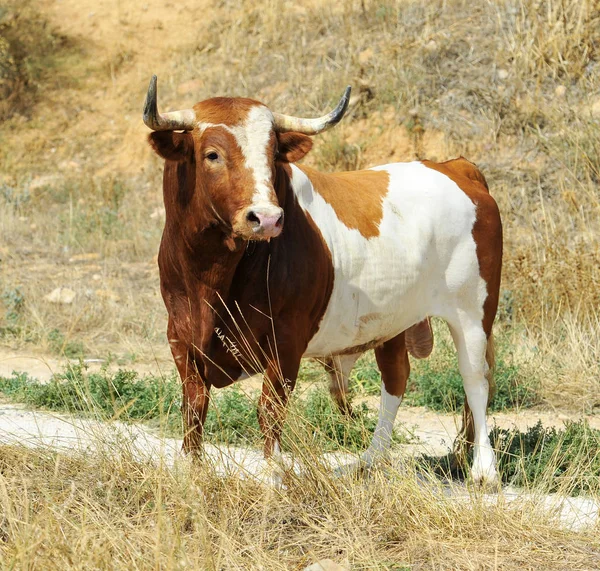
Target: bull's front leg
[276, 389]
[194, 405]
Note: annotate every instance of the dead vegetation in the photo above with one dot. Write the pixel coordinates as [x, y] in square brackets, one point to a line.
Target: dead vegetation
[109, 510]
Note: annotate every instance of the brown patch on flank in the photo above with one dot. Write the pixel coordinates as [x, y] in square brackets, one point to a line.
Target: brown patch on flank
[356, 197]
[487, 230]
[419, 339]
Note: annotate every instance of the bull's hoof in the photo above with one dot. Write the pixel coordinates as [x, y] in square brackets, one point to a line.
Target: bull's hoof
[486, 479]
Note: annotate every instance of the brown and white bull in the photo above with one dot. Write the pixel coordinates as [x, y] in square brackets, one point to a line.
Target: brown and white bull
[264, 262]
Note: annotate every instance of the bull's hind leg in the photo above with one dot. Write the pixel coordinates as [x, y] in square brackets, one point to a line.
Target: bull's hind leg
[392, 359]
[471, 344]
[339, 368]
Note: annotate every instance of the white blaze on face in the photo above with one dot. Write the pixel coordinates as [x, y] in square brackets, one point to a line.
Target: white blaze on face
[253, 138]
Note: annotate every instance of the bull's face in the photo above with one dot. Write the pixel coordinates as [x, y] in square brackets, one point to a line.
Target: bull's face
[235, 145]
[236, 149]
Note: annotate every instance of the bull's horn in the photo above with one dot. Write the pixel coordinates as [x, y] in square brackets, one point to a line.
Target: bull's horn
[284, 123]
[184, 120]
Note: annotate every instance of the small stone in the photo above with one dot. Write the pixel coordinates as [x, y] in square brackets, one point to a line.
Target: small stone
[431, 46]
[158, 212]
[107, 294]
[96, 277]
[502, 74]
[560, 91]
[595, 108]
[62, 295]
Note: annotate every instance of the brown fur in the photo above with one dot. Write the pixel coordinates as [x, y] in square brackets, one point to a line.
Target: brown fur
[392, 360]
[356, 197]
[235, 309]
[203, 272]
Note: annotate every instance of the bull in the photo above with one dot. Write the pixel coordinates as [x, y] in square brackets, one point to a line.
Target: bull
[264, 262]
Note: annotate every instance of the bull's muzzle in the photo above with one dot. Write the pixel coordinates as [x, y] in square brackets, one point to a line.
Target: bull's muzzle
[265, 221]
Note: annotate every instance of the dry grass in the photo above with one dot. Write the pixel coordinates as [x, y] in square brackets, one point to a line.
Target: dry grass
[108, 510]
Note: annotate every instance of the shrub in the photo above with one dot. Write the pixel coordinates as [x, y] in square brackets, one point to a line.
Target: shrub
[566, 460]
[27, 44]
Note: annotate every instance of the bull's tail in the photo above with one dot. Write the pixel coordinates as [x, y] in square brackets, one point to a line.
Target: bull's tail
[466, 436]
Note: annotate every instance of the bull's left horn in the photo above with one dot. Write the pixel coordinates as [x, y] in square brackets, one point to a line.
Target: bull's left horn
[184, 120]
[285, 123]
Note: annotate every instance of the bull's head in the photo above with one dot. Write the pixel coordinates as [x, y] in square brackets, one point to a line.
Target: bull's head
[235, 145]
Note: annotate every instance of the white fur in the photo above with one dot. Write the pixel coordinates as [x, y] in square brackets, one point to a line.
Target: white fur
[382, 438]
[253, 138]
[422, 261]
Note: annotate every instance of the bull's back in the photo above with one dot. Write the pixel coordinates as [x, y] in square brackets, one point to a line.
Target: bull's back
[416, 261]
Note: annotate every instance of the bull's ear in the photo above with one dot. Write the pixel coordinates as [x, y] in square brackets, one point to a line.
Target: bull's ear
[171, 145]
[292, 146]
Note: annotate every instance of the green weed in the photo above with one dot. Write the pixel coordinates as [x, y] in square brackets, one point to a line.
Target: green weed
[231, 417]
[567, 460]
[60, 345]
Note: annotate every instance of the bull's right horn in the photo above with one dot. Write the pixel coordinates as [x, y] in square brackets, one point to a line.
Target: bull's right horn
[285, 123]
[184, 120]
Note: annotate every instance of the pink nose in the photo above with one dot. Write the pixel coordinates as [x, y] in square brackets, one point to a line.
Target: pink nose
[266, 222]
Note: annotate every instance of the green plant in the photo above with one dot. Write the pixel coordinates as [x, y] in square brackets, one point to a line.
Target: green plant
[551, 459]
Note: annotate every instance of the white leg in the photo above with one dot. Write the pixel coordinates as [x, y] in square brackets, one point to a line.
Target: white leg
[471, 342]
[382, 438]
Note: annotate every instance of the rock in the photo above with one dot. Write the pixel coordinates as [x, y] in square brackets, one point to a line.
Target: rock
[502, 74]
[62, 295]
[595, 108]
[43, 181]
[158, 212]
[560, 91]
[431, 46]
[326, 565]
[108, 294]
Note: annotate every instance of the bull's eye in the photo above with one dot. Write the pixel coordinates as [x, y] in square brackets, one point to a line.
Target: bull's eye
[212, 156]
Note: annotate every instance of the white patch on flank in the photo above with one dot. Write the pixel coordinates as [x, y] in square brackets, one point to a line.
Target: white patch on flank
[388, 407]
[253, 138]
[422, 263]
